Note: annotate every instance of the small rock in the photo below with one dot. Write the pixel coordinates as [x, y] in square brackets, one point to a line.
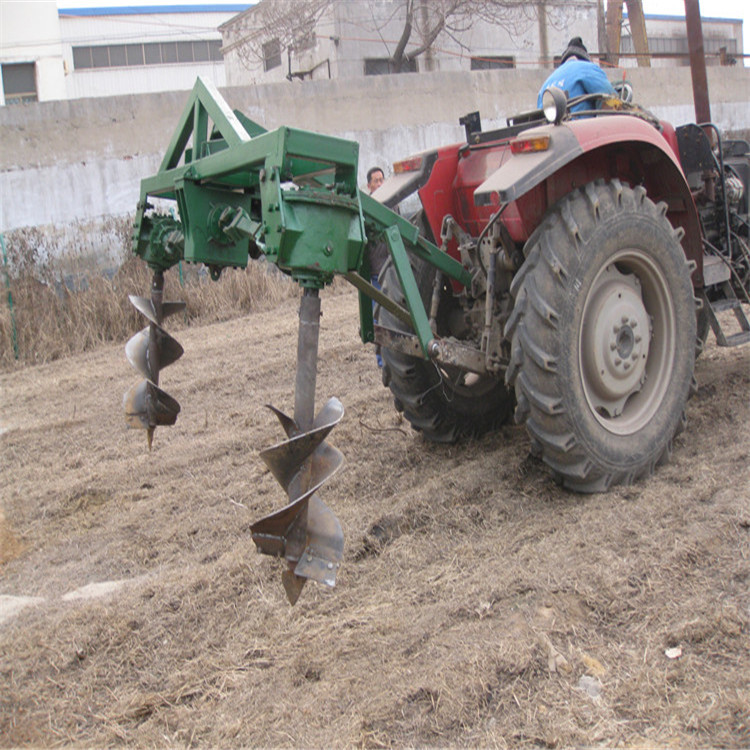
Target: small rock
[673, 653]
[590, 685]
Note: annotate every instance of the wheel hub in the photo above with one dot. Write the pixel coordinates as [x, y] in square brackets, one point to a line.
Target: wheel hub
[616, 336]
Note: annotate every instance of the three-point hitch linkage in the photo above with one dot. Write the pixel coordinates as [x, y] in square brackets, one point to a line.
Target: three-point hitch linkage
[239, 191]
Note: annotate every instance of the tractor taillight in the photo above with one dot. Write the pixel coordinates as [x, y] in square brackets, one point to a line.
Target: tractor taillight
[530, 144]
[414, 164]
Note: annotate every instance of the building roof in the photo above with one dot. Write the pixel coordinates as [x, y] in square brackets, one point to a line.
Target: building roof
[704, 19]
[140, 10]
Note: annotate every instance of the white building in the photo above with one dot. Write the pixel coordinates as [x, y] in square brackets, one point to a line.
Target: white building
[667, 35]
[87, 52]
[272, 41]
[30, 52]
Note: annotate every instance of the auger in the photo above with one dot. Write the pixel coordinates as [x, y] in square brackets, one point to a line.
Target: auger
[146, 405]
[238, 191]
[305, 532]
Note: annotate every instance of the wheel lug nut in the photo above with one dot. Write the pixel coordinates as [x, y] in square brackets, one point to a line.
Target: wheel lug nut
[624, 319]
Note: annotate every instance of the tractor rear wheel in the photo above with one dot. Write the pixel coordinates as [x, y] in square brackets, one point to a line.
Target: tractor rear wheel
[444, 403]
[603, 337]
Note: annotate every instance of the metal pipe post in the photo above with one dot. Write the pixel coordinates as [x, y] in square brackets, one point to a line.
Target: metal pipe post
[307, 359]
[697, 62]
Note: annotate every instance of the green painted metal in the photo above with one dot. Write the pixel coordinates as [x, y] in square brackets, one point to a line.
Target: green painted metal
[288, 192]
[409, 287]
[13, 331]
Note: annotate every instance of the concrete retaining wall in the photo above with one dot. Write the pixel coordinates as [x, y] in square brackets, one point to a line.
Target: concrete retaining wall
[77, 160]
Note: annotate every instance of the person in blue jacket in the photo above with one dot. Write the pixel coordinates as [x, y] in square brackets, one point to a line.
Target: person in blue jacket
[577, 75]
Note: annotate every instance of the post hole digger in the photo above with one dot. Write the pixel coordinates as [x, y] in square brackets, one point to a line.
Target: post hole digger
[567, 285]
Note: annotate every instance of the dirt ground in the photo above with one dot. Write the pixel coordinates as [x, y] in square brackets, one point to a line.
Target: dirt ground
[479, 604]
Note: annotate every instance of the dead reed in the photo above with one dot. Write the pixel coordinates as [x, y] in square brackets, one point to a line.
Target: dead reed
[66, 291]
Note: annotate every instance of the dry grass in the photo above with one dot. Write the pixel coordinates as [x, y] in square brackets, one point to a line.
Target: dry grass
[477, 601]
[63, 303]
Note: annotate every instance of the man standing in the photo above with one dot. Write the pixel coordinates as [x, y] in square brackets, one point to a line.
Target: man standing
[577, 75]
[377, 249]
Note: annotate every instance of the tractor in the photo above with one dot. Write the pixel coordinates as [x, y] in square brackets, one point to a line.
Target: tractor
[563, 271]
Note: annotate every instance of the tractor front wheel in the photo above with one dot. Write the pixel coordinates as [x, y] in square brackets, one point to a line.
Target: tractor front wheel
[603, 337]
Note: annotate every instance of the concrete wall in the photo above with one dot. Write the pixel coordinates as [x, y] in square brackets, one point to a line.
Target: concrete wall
[78, 160]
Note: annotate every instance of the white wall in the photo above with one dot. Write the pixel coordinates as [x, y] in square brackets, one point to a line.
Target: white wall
[67, 161]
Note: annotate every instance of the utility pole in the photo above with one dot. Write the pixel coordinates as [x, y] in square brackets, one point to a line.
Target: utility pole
[697, 61]
[637, 29]
[614, 28]
[543, 43]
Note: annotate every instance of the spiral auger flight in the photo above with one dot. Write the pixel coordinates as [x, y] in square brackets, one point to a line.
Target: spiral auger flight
[146, 405]
[305, 532]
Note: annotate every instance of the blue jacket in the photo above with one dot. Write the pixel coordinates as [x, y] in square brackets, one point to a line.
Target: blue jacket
[577, 77]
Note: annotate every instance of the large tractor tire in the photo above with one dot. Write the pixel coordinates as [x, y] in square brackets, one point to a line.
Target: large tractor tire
[603, 337]
[443, 403]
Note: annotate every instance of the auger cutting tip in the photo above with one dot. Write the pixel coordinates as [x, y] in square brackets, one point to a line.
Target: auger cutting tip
[147, 406]
[293, 585]
[150, 436]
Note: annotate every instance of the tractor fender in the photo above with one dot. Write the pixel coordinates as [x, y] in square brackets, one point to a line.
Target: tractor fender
[522, 172]
[577, 141]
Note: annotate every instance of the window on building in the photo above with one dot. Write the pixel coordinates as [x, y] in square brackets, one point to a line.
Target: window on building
[678, 46]
[271, 55]
[134, 54]
[19, 82]
[100, 57]
[381, 66]
[185, 52]
[150, 53]
[493, 62]
[200, 52]
[169, 52]
[117, 56]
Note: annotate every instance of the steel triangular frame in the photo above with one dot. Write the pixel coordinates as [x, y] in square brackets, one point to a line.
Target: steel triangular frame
[204, 102]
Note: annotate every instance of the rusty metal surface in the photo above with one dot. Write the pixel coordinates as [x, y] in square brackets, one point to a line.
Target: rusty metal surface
[697, 61]
[446, 351]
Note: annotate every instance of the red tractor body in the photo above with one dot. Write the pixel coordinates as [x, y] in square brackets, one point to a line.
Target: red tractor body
[581, 151]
